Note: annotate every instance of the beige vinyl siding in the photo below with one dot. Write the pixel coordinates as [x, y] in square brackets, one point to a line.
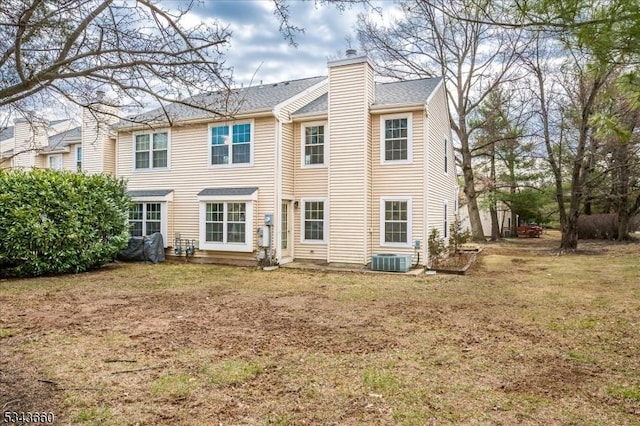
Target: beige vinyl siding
[69, 159]
[96, 143]
[440, 185]
[348, 109]
[287, 159]
[399, 180]
[369, 225]
[92, 144]
[309, 183]
[109, 156]
[190, 173]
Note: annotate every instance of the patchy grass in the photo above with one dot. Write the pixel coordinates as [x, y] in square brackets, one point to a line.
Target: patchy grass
[230, 372]
[7, 332]
[529, 337]
[173, 385]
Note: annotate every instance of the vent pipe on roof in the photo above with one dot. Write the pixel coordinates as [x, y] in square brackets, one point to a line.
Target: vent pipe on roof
[351, 53]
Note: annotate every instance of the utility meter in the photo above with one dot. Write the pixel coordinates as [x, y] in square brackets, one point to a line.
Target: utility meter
[268, 219]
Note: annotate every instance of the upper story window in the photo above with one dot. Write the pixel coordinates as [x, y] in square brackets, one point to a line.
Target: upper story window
[55, 161]
[231, 144]
[314, 140]
[151, 151]
[396, 139]
[79, 157]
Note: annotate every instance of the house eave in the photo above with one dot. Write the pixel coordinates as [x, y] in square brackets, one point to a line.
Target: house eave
[309, 116]
[394, 108]
[258, 113]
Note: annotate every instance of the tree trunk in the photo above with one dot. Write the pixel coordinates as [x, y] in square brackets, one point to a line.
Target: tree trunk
[477, 233]
[495, 225]
[569, 239]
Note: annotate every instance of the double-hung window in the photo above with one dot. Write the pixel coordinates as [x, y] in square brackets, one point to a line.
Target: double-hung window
[79, 157]
[231, 144]
[148, 213]
[145, 219]
[226, 222]
[55, 161]
[445, 231]
[226, 219]
[396, 139]
[314, 141]
[151, 151]
[395, 221]
[446, 155]
[314, 220]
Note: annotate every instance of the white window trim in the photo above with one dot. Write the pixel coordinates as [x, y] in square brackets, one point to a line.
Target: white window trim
[247, 246]
[325, 225]
[78, 158]
[446, 161]
[230, 125]
[150, 169]
[164, 211]
[409, 117]
[445, 219]
[409, 201]
[456, 196]
[303, 126]
[52, 156]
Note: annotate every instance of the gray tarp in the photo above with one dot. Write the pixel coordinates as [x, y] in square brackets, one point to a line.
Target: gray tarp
[149, 249]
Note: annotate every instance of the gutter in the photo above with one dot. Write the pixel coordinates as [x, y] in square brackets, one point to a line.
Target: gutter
[259, 113]
[394, 108]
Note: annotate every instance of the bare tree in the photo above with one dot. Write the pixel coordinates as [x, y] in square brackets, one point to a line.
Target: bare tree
[66, 50]
[566, 92]
[446, 38]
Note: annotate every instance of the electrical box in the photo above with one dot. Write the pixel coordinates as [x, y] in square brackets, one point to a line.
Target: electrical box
[268, 219]
[418, 244]
[264, 236]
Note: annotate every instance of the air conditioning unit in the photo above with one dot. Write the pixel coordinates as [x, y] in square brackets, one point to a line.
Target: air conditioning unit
[391, 262]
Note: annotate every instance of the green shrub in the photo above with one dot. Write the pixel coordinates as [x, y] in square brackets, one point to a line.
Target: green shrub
[457, 237]
[436, 247]
[55, 222]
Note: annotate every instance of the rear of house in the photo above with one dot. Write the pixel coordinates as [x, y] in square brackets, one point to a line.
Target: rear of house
[328, 169]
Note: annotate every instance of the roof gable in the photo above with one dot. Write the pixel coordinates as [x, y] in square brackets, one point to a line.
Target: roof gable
[397, 93]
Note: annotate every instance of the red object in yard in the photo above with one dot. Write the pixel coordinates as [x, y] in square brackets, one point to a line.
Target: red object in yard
[532, 230]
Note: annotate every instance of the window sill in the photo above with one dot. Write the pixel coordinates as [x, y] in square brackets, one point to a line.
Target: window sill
[315, 242]
[245, 248]
[394, 162]
[230, 166]
[396, 245]
[152, 170]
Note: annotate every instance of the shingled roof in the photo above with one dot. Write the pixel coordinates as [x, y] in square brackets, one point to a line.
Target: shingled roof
[238, 101]
[387, 94]
[6, 133]
[64, 139]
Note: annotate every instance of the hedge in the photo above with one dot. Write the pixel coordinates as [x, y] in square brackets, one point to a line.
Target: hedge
[54, 222]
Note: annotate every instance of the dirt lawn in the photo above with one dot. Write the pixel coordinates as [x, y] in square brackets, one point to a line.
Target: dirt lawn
[528, 338]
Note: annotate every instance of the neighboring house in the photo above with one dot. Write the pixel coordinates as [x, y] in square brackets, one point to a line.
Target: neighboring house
[341, 167]
[504, 219]
[59, 145]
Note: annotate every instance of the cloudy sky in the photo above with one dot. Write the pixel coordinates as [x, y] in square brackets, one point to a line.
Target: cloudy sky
[258, 50]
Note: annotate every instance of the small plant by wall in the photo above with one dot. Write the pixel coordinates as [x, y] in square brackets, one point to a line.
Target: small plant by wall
[457, 237]
[436, 247]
